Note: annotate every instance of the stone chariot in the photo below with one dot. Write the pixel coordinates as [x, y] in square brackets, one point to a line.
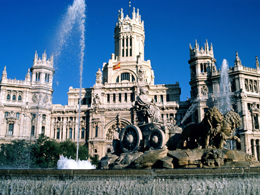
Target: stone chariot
[149, 133]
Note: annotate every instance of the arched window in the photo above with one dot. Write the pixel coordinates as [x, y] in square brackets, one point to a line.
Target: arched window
[14, 97]
[8, 97]
[19, 98]
[125, 76]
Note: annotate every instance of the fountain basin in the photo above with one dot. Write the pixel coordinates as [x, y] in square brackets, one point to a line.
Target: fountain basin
[131, 181]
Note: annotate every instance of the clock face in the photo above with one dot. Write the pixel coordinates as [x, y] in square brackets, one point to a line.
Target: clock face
[126, 27]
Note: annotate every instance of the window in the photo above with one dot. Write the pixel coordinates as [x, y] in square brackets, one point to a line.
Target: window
[161, 98]
[108, 97]
[70, 133]
[132, 97]
[71, 118]
[17, 115]
[37, 76]
[82, 133]
[8, 97]
[6, 114]
[133, 78]
[203, 67]
[32, 130]
[43, 117]
[43, 130]
[155, 98]
[125, 76]
[14, 97]
[114, 97]
[96, 133]
[10, 129]
[119, 97]
[117, 79]
[122, 52]
[58, 133]
[167, 97]
[47, 77]
[19, 98]
[125, 97]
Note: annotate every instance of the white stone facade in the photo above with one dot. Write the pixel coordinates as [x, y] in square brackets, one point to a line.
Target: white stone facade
[26, 108]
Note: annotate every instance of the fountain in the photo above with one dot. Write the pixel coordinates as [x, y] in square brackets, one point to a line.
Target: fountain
[74, 18]
[224, 103]
[237, 175]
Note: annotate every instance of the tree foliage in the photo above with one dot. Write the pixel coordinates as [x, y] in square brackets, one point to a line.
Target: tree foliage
[44, 153]
[16, 154]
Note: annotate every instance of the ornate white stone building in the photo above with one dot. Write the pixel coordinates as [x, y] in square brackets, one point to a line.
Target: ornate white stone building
[26, 105]
[27, 110]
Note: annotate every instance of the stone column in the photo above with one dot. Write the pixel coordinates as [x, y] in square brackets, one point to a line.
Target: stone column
[64, 136]
[164, 98]
[117, 98]
[129, 97]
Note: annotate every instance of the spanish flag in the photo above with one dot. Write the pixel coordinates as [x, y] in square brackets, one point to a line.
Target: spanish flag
[117, 66]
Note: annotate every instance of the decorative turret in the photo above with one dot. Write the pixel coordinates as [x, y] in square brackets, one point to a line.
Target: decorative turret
[42, 69]
[28, 76]
[4, 75]
[206, 51]
[44, 61]
[256, 62]
[99, 77]
[129, 36]
[237, 60]
[202, 61]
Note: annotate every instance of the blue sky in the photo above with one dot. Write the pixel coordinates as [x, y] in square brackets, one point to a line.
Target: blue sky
[170, 25]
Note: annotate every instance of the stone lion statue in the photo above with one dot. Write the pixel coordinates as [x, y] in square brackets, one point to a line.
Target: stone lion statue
[212, 131]
[199, 134]
[230, 123]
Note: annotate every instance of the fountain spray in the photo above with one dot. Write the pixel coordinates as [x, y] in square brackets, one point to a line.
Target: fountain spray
[224, 89]
[75, 16]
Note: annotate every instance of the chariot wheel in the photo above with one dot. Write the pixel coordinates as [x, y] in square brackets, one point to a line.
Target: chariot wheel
[130, 138]
[156, 139]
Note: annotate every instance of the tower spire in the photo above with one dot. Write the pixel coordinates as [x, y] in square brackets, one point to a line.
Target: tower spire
[129, 8]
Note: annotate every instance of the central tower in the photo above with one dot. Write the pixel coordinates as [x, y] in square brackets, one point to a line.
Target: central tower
[129, 36]
[127, 64]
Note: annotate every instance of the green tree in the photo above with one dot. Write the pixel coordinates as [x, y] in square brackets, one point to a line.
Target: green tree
[94, 160]
[45, 152]
[69, 149]
[15, 155]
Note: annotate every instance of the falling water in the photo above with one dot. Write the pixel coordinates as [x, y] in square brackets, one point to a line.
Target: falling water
[74, 18]
[224, 102]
